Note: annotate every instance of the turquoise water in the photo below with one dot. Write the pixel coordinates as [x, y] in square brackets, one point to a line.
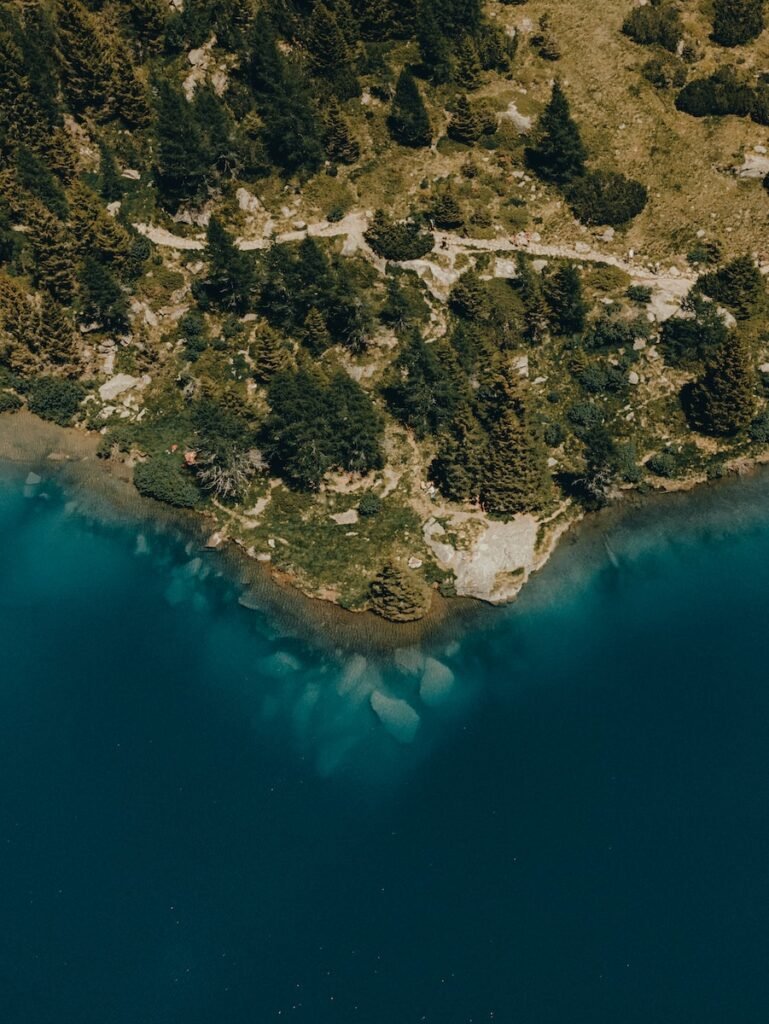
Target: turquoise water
[203, 820]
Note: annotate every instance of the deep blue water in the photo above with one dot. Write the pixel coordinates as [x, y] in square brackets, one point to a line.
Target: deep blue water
[202, 820]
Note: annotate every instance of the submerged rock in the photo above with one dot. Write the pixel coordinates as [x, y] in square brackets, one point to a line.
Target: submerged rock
[409, 660]
[437, 682]
[397, 716]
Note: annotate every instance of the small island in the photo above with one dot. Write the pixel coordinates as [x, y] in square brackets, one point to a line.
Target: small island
[391, 293]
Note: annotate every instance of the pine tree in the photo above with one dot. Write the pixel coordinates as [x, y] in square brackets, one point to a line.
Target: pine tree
[398, 596]
[57, 335]
[468, 70]
[465, 125]
[268, 353]
[315, 335]
[126, 92]
[736, 22]
[433, 44]
[330, 57]
[446, 211]
[52, 252]
[559, 154]
[568, 308]
[110, 182]
[514, 476]
[456, 468]
[84, 60]
[231, 274]
[341, 145]
[724, 399]
[376, 19]
[103, 298]
[408, 122]
[529, 285]
[95, 232]
[181, 159]
[739, 284]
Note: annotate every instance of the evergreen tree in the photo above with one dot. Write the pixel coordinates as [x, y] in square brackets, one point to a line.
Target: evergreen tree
[514, 476]
[397, 596]
[315, 335]
[268, 353]
[330, 57]
[456, 468]
[465, 125]
[84, 60]
[52, 252]
[376, 19]
[57, 335]
[529, 286]
[408, 122]
[103, 298]
[433, 44]
[558, 154]
[420, 385]
[446, 211]
[341, 145]
[110, 181]
[736, 22]
[739, 285]
[125, 93]
[468, 70]
[724, 399]
[231, 276]
[34, 175]
[563, 292]
[95, 232]
[292, 130]
[181, 160]
[355, 424]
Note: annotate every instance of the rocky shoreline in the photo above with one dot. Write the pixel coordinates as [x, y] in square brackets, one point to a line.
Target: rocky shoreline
[104, 490]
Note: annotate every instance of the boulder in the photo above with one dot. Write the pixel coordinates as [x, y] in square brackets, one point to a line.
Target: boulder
[437, 682]
[396, 715]
[117, 385]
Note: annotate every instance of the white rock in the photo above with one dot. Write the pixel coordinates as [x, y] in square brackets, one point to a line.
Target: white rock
[633, 377]
[353, 672]
[764, 368]
[32, 480]
[437, 682]
[754, 166]
[608, 235]
[409, 660]
[638, 344]
[348, 518]
[760, 149]
[582, 247]
[247, 201]
[415, 563]
[118, 384]
[397, 716]
[131, 174]
[280, 663]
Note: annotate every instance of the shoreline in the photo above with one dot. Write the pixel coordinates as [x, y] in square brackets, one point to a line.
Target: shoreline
[106, 492]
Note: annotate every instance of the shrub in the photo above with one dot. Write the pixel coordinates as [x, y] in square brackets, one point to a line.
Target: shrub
[654, 23]
[707, 252]
[606, 197]
[9, 402]
[398, 241]
[759, 429]
[663, 464]
[665, 72]
[370, 504]
[739, 285]
[554, 435]
[721, 94]
[163, 479]
[584, 418]
[56, 399]
[614, 332]
[736, 22]
[639, 293]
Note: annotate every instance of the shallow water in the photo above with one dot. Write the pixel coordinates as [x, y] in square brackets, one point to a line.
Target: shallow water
[561, 815]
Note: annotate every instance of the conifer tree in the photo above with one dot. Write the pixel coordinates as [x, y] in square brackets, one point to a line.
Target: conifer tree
[456, 469]
[315, 335]
[376, 19]
[465, 125]
[34, 175]
[433, 44]
[330, 57]
[468, 65]
[95, 232]
[568, 309]
[397, 596]
[408, 122]
[724, 399]
[52, 252]
[739, 284]
[341, 145]
[110, 182]
[536, 312]
[514, 476]
[558, 154]
[446, 211]
[181, 165]
[84, 61]
[268, 353]
[231, 276]
[736, 22]
[126, 92]
[103, 298]
[57, 335]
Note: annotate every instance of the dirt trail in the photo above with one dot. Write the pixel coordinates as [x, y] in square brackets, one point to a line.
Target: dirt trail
[669, 287]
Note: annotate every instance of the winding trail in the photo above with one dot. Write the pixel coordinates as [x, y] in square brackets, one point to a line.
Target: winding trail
[669, 288]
